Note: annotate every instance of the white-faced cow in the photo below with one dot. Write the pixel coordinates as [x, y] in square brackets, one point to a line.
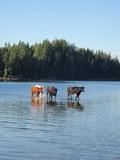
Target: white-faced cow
[51, 91]
[75, 90]
[37, 90]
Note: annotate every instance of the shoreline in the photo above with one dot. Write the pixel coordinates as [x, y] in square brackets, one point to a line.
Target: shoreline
[16, 79]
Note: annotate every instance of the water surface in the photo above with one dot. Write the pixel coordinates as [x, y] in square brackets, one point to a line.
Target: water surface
[61, 129]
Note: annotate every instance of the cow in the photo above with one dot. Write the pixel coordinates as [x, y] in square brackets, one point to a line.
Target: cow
[37, 89]
[51, 91]
[75, 90]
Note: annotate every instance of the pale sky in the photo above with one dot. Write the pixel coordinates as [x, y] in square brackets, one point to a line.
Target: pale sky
[93, 24]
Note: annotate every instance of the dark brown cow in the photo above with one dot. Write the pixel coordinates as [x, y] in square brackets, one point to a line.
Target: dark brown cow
[75, 90]
[51, 91]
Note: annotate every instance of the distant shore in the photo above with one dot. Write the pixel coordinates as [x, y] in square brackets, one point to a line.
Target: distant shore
[18, 79]
[11, 79]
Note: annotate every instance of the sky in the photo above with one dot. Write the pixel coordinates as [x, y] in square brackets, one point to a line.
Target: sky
[93, 24]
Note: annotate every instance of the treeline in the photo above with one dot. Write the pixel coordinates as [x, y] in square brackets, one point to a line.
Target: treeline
[56, 60]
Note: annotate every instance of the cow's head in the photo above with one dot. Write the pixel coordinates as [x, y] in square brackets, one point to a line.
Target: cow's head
[54, 91]
[82, 89]
[42, 88]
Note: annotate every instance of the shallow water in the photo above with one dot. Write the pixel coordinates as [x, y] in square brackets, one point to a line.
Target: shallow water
[61, 129]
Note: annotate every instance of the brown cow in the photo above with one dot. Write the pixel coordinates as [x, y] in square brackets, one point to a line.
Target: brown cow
[51, 91]
[75, 90]
[36, 90]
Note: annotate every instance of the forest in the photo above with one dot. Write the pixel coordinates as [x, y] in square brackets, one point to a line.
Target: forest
[56, 60]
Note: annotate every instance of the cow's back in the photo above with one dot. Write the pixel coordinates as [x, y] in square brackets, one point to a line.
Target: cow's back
[51, 90]
[73, 90]
[35, 89]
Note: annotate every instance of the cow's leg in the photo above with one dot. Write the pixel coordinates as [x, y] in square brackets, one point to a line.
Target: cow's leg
[77, 96]
[33, 95]
[51, 97]
[47, 95]
[37, 94]
[70, 96]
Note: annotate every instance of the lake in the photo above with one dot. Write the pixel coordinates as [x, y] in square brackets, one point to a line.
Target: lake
[61, 129]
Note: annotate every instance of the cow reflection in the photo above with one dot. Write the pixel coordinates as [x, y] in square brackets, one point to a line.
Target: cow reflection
[75, 104]
[51, 103]
[37, 102]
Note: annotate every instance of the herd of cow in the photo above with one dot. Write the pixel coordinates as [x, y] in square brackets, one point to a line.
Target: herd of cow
[52, 91]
